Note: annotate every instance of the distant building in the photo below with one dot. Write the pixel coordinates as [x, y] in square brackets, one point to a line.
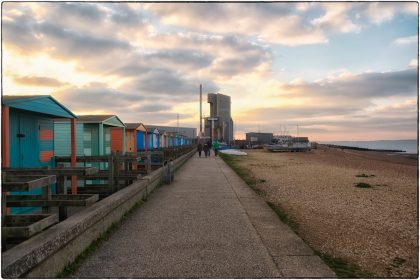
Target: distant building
[220, 109]
[258, 138]
[189, 132]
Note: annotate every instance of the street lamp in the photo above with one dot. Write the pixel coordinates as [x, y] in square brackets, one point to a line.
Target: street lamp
[212, 119]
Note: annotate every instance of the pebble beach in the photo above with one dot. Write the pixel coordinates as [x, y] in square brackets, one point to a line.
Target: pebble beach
[375, 227]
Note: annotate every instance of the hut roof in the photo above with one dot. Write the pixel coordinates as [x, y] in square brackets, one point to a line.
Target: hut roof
[44, 104]
[136, 126]
[94, 118]
[111, 120]
[151, 128]
[132, 125]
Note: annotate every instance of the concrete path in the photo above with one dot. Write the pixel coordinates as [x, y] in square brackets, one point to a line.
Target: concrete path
[207, 224]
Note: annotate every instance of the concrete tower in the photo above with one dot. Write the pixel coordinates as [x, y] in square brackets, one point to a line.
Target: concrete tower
[220, 109]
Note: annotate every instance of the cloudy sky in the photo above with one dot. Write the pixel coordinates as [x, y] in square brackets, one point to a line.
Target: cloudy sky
[341, 71]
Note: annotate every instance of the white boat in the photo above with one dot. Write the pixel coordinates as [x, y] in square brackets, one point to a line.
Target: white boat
[294, 144]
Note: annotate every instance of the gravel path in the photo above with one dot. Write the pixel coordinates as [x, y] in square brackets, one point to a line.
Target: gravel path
[193, 228]
[376, 227]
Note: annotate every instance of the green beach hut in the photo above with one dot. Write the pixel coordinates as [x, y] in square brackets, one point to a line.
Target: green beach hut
[93, 135]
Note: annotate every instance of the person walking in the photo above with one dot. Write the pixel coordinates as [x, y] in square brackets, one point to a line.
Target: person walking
[206, 149]
[199, 148]
[216, 147]
[209, 147]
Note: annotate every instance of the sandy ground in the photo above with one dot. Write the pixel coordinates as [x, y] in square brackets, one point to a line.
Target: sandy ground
[374, 227]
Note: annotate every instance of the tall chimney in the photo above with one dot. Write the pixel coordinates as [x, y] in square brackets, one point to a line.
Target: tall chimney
[201, 114]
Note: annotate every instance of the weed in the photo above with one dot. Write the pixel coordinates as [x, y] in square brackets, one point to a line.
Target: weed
[363, 185]
[343, 268]
[397, 262]
[71, 268]
[244, 173]
[283, 216]
[365, 175]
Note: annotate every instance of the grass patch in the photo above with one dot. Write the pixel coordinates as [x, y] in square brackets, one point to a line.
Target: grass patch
[363, 185]
[283, 216]
[397, 262]
[343, 268]
[71, 268]
[365, 175]
[242, 172]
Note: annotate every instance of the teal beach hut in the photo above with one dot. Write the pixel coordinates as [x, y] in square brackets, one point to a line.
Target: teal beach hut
[93, 135]
[31, 129]
[27, 133]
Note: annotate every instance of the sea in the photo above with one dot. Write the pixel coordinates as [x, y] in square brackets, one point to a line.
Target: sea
[409, 146]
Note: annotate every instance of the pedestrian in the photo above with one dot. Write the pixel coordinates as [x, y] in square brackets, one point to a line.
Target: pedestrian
[209, 145]
[206, 149]
[216, 147]
[199, 148]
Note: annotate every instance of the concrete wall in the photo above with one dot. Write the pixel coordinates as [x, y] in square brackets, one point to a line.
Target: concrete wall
[46, 254]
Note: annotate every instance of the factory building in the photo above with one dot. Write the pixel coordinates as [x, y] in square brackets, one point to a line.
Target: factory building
[258, 138]
[220, 118]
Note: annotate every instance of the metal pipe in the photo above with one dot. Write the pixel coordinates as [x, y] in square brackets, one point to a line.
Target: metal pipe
[73, 155]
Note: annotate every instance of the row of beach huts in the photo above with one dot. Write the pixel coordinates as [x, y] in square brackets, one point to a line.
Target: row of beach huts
[37, 130]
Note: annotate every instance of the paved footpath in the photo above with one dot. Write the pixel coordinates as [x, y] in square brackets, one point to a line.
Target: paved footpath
[207, 224]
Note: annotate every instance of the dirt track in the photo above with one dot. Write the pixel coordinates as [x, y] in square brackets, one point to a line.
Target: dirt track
[373, 227]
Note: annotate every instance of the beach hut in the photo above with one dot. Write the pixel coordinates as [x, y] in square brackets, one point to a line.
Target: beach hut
[153, 141]
[28, 133]
[28, 129]
[141, 138]
[134, 137]
[97, 134]
[162, 139]
[62, 132]
[93, 137]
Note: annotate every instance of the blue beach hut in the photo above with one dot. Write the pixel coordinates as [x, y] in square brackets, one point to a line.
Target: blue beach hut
[153, 139]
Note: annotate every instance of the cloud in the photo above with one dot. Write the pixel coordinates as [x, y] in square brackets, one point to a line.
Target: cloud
[161, 118]
[279, 23]
[96, 97]
[343, 104]
[19, 33]
[86, 12]
[154, 107]
[413, 63]
[336, 18]
[38, 81]
[158, 83]
[123, 48]
[180, 58]
[323, 122]
[23, 32]
[365, 86]
[379, 12]
[406, 40]
[271, 22]
[69, 42]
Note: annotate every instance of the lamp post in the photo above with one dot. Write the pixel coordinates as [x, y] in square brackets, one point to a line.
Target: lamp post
[212, 119]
